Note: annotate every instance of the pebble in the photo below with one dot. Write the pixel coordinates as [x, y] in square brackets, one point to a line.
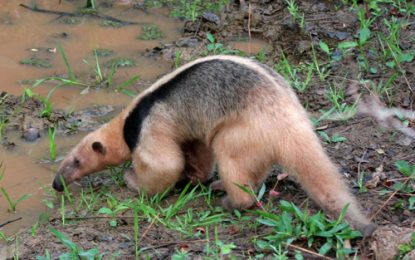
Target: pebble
[338, 35]
[303, 46]
[31, 134]
[211, 17]
[187, 42]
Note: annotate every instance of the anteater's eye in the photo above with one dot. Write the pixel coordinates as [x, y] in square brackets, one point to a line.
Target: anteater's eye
[76, 162]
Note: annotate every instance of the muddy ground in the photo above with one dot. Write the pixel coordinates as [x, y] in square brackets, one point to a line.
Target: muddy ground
[369, 148]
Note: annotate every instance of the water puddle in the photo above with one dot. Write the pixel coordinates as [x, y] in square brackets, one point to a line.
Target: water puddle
[25, 174]
[24, 35]
[252, 46]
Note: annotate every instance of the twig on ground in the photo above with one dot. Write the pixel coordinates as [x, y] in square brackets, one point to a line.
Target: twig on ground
[249, 26]
[148, 228]
[173, 243]
[10, 221]
[386, 202]
[95, 15]
[308, 251]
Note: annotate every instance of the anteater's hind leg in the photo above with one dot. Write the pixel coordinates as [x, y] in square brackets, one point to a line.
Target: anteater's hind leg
[299, 150]
[158, 163]
[199, 161]
[242, 161]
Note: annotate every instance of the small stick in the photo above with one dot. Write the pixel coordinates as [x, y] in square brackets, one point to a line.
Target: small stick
[173, 243]
[96, 15]
[148, 228]
[10, 221]
[309, 251]
[249, 26]
[386, 202]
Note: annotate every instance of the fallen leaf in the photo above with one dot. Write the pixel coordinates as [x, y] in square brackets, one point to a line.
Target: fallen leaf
[377, 176]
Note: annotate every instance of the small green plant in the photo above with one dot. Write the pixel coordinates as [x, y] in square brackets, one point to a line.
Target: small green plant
[261, 56]
[406, 248]
[66, 192]
[89, 198]
[179, 255]
[4, 237]
[188, 9]
[150, 32]
[98, 72]
[113, 209]
[214, 47]
[333, 139]
[63, 210]
[52, 143]
[13, 203]
[343, 110]
[317, 230]
[75, 252]
[405, 168]
[296, 16]
[322, 71]
[178, 59]
[294, 73]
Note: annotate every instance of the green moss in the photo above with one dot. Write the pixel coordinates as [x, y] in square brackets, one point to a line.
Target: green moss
[120, 63]
[103, 52]
[70, 20]
[36, 62]
[150, 32]
[109, 23]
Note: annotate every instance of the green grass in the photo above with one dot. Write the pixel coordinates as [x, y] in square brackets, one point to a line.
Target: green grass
[188, 9]
[11, 202]
[52, 143]
[294, 224]
[299, 76]
[192, 214]
[295, 13]
[101, 79]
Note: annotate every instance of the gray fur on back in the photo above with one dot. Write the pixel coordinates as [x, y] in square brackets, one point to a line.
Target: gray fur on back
[197, 97]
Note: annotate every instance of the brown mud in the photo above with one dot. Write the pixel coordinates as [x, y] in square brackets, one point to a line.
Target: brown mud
[369, 147]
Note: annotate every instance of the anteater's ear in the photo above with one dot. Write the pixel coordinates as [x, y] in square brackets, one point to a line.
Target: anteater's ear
[99, 148]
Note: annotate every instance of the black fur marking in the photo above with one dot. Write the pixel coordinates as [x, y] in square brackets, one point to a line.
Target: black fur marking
[205, 91]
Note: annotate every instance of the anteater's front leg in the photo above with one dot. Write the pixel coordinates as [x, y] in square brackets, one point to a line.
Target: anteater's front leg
[158, 164]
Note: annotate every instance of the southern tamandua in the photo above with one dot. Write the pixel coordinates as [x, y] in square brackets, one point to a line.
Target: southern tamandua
[227, 110]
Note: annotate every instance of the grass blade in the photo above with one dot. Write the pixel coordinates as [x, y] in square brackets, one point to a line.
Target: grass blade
[65, 60]
[9, 200]
[127, 83]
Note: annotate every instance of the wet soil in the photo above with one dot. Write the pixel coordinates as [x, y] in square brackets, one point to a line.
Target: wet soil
[369, 148]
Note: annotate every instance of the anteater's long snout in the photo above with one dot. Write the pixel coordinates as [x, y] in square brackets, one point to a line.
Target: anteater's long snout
[57, 183]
